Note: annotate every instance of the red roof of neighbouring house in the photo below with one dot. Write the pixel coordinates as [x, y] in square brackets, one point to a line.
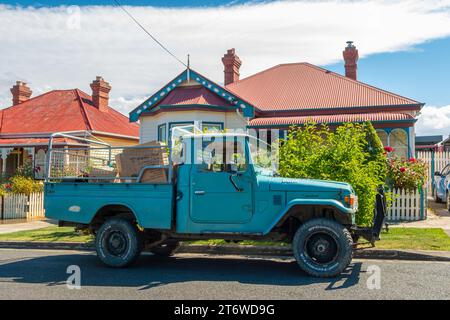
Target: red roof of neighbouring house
[335, 118]
[193, 95]
[64, 110]
[303, 86]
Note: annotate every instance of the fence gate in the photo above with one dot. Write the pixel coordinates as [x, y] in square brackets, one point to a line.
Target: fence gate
[436, 161]
[21, 206]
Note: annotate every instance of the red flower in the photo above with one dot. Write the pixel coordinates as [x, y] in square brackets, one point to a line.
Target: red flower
[412, 160]
[402, 169]
[388, 149]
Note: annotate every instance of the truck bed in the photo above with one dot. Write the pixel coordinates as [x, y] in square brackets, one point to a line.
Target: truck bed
[80, 201]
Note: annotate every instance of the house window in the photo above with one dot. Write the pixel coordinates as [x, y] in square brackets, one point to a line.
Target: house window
[398, 139]
[212, 126]
[383, 137]
[179, 124]
[162, 133]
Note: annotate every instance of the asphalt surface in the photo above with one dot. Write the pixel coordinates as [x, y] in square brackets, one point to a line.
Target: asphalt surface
[41, 274]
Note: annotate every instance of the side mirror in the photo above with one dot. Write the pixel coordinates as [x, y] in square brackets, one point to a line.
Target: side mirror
[437, 173]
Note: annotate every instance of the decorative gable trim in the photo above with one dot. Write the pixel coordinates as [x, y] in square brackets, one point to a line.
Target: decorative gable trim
[247, 108]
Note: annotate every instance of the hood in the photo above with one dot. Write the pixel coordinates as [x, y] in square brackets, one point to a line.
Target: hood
[308, 185]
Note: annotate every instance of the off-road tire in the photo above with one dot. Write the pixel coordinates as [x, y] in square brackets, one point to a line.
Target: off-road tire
[317, 231]
[166, 249]
[124, 234]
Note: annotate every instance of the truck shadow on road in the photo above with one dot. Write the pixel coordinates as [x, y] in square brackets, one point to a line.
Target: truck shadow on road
[152, 271]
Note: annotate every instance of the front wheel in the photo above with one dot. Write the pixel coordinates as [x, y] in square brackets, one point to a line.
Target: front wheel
[323, 248]
[118, 243]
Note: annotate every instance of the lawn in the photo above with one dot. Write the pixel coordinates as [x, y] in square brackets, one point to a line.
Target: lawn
[396, 238]
[415, 238]
[49, 234]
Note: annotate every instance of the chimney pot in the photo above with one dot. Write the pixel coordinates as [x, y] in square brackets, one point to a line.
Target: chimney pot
[100, 93]
[20, 92]
[231, 63]
[351, 60]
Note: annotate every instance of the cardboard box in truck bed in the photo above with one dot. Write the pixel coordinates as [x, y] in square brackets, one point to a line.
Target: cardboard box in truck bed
[132, 160]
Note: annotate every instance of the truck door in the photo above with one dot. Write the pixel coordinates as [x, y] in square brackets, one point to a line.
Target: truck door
[221, 181]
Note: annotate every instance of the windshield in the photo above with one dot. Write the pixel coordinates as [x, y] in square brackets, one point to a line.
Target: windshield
[263, 156]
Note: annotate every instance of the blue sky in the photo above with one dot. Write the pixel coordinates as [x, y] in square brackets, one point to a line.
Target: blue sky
[421, 73]
[404, 46]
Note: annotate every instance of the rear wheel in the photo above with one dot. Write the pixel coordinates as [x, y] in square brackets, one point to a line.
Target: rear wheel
[118, 243]
[323, 248]
[166, 249]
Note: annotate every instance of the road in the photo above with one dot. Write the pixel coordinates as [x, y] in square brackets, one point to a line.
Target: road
[41, 274]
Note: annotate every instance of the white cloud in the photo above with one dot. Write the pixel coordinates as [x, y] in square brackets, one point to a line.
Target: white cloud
[434, 120]
[46, 48]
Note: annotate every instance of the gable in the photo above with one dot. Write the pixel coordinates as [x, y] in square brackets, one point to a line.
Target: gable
[228, 98]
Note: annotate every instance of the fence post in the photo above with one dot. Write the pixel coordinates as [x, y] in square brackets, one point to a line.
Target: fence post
[422, 205]
[431, 177]
[3, 207]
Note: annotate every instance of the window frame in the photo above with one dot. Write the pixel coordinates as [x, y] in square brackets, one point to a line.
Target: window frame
[214, 123]
[165, 132]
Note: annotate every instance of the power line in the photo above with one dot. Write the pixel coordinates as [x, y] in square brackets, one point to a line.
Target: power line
[148, 33]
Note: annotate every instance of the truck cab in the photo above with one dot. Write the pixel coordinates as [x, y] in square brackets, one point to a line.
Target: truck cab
[218, 186]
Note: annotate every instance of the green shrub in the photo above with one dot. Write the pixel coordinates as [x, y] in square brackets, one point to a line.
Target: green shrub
[25, 185]
[352, 153]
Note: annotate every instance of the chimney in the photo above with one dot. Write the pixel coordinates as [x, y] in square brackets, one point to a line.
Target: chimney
[20, 92]
[100, 93]
[231, 63]
[351, 58]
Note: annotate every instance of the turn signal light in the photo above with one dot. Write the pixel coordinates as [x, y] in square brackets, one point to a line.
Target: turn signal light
[350, 201]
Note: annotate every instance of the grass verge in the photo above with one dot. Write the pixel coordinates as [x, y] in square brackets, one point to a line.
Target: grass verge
[49, 234]
[396, 238]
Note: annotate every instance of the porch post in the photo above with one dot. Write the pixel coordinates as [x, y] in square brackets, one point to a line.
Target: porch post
[4, 155]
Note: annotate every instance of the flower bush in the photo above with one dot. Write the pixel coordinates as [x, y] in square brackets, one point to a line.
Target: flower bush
[24, 185]
[352, 153]
[22, 182]
[406, 174]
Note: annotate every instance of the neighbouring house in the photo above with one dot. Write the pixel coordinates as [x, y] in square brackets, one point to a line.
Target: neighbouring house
[26, 126]
[428, 142]
[274, 99]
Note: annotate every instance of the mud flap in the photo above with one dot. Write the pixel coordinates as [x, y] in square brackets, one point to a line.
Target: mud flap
[373, 234]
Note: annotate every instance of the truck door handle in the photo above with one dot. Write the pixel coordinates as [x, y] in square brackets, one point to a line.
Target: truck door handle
[199, 192]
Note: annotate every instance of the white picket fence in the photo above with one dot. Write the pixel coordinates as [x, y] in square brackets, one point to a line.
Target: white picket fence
[21, 206]
[407, 206]
[436, 161]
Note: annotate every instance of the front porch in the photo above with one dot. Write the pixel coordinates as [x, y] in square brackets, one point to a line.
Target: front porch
[14, 158]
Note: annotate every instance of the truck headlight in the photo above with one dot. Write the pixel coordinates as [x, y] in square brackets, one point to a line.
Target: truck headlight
[351, 201]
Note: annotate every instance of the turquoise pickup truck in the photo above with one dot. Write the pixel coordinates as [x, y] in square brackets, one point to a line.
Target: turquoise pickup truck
[218, 186]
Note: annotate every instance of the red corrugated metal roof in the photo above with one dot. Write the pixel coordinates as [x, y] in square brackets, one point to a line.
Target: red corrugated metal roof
[193, 95]
[64, 110]
[304, 86]
[335, 118]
